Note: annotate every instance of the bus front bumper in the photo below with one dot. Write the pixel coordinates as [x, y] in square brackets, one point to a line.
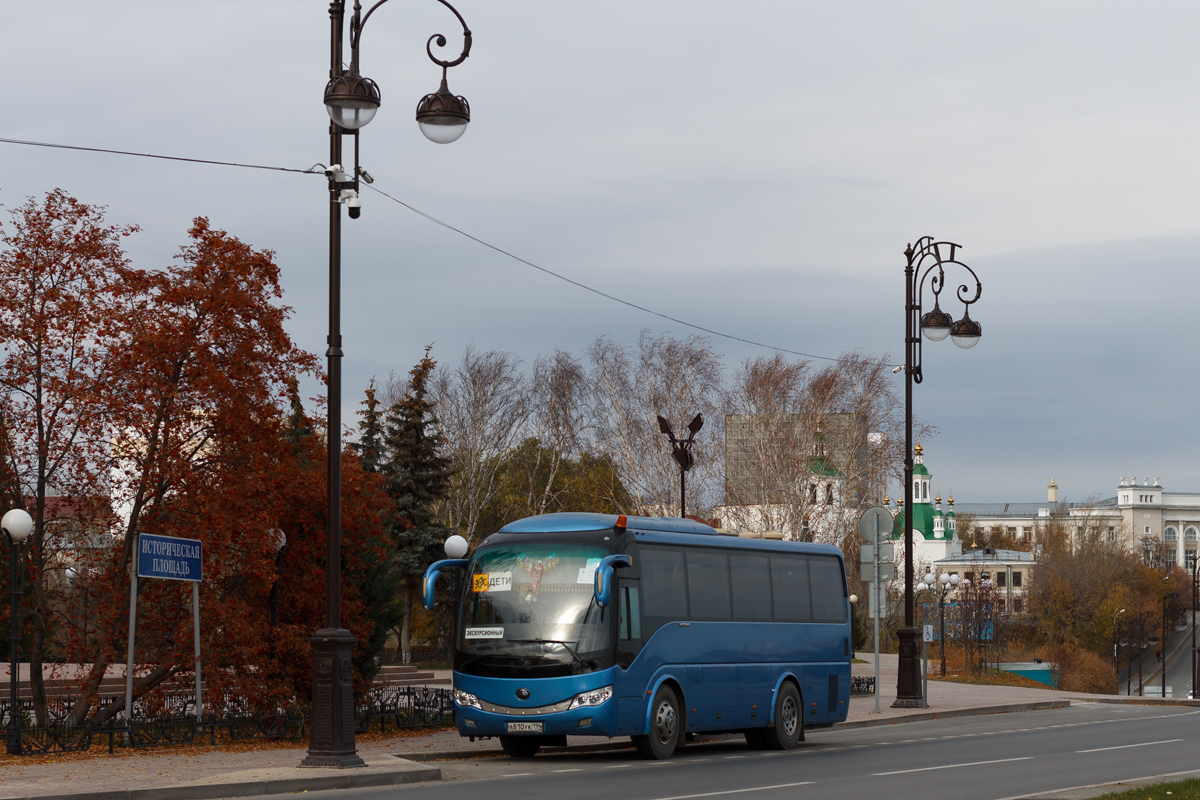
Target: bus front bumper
[596, 720]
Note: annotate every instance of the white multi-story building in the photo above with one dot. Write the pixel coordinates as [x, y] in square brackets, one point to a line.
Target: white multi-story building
[1161, 526]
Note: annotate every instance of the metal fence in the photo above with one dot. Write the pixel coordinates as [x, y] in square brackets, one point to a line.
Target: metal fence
[862, 684]
[174, 721]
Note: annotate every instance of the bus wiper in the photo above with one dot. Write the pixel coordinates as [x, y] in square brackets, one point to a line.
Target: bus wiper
[566, 646]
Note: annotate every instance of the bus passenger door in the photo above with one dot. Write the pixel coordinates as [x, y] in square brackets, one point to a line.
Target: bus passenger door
[630, 684]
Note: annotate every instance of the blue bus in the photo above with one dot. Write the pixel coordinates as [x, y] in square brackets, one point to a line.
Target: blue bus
[653, 628]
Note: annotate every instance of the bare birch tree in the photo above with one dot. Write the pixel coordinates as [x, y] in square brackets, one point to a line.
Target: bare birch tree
[558, 418]
[810, 447]
[483, 405]
[768, 446]
[662, 375]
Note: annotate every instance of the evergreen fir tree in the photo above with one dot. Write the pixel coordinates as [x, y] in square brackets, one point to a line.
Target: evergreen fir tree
[370, 441]
[299, 425]
[418, 477]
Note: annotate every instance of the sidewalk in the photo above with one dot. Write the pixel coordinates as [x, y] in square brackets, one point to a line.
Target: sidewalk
[200, 774]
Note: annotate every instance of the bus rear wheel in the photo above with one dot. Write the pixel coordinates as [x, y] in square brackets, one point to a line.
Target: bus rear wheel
[788, 730]
[520, 746]
[663, 737]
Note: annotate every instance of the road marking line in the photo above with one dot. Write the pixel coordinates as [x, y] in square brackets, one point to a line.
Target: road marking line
[618, 766]
[517, 775]
[578, 769]
[735, 756]
[1126, 746]
[735, 791]
[950, 766]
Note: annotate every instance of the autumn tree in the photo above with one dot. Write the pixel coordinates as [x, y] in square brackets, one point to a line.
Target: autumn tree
[976, 620]
[1084, 574]
[59, 297]
[483, 406]
[660, 376]
[196, 431]
[810, 446]
[586, 483]
[297, 488]
[558, 420]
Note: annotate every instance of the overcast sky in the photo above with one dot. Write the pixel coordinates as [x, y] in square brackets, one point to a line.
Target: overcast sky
[756, 167]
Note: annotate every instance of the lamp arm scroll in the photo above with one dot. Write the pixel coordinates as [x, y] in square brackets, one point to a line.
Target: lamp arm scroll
[357, 24]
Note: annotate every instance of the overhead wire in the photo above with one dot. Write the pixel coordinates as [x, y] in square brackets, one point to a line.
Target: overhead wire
[318, 169]
[587, 288]
[310, 170]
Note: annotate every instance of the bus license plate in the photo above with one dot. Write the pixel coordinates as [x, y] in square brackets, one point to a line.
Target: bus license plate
[524, 727]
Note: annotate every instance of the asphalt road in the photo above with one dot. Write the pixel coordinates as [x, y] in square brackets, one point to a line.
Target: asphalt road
[984, 757]
[1179, 668]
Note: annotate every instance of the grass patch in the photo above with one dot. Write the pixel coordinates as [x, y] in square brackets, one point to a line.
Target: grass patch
[1176, 790]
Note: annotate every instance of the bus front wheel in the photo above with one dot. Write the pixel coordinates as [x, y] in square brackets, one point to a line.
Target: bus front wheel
[520, 746]
[788, 730]
[665, 720]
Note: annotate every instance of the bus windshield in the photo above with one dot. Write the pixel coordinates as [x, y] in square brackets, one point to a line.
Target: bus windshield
[528, 610]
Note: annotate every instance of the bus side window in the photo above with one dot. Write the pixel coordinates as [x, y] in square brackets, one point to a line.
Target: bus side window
[630, 621]
[708, 584]
[789, 585]
[751, 586]
[828, 589]
[663, 573]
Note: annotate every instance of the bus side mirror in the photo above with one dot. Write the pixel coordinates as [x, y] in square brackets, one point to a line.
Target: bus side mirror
[602, 588]
[431, 576]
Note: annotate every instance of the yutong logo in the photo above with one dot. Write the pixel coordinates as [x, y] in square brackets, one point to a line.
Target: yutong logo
[522, 694]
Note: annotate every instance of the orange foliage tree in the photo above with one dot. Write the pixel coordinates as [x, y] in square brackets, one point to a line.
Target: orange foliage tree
[60, 293]
[201, 449]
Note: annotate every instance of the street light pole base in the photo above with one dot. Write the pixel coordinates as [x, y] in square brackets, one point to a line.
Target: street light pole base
[331, 736]
[908, 683]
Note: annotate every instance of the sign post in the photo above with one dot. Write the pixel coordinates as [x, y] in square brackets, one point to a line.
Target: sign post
[925, 640]
[173, 559]
[873, 522]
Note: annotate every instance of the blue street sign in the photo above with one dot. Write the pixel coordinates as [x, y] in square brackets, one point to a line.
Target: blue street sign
[168, 557]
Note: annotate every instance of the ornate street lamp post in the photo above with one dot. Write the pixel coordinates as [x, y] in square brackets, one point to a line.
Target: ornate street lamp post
[352, 101]
[17, 525]
[681, 451]
[926, 261]
[947, 584]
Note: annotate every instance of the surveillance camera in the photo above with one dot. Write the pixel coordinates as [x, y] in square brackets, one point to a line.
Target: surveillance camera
[333, 169]
[366, 176]
[897, 369]
[352, 203]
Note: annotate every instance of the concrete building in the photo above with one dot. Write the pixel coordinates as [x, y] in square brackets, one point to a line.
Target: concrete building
[1009, 571]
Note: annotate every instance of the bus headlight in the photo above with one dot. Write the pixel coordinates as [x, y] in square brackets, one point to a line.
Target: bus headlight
[466, 699]
[593, 698]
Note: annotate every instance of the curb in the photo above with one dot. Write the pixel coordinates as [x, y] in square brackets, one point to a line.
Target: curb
[1042, 705]
[1099, 789]
[376, 773]
[1008, 708]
